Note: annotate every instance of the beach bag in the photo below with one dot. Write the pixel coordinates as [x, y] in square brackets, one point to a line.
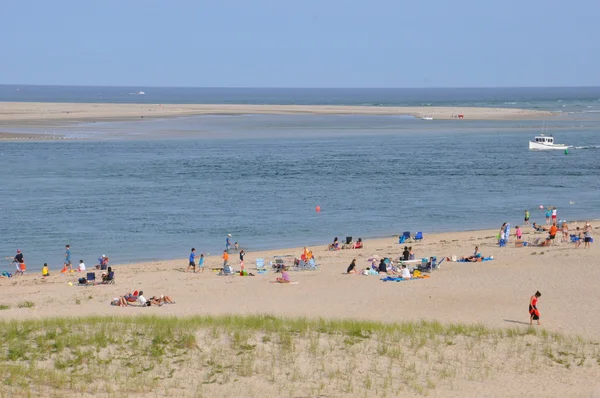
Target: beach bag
[82, 281]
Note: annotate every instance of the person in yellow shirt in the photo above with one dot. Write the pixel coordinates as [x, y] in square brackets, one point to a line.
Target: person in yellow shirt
[45, 271]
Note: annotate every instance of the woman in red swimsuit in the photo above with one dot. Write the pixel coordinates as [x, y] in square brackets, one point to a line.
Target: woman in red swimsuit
[534, 313]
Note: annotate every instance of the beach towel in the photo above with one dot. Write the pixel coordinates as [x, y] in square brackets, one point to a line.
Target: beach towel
[467, 261]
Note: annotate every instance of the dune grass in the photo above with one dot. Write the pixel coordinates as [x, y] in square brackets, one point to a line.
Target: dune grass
[266, 356]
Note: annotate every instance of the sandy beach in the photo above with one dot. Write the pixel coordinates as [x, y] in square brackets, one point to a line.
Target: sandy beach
[493, 293]
[34, 112]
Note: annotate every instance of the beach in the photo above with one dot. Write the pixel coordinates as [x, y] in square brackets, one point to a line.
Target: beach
[494, 294]
[43, 112]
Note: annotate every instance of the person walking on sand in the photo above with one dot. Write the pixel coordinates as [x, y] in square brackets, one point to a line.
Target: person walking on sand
[192, 262]
[201, 262]
[534, 313]
[242, 254]
[68, 258]
[527, 217]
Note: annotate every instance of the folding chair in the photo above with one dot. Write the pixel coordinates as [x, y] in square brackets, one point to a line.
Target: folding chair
[261, 268]
[91, 278]
[418, 236]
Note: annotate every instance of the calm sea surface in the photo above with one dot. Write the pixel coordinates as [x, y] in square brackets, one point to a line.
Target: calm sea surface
[260, 178]
[152, 189]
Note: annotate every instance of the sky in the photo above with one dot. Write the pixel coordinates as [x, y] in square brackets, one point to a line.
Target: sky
[307, 43]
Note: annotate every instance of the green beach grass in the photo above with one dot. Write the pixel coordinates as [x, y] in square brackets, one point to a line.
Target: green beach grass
[267, 356]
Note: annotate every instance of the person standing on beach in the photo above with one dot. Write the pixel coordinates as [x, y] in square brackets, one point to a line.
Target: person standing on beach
[192, 262]
[534, 313]
[553, 230]
[548, 215]
[587, 235]
[518, 232]
[68, 258]
[565, 231]
[554, 214]
[225, 258]
[242, 254]
[527, 217]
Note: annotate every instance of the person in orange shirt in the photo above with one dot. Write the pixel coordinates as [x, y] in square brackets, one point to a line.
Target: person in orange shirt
[553, 231]
[225, 258]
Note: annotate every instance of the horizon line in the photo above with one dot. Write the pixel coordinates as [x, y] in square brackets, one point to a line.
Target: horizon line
[302, 88]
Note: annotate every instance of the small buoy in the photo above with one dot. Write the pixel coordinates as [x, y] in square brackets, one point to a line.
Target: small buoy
[318, 209]
[541, 207]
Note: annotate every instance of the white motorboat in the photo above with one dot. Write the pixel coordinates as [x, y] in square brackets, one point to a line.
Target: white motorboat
[544, 142]
[427, 118]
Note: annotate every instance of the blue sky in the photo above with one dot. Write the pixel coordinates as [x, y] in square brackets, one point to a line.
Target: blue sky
[307, 43]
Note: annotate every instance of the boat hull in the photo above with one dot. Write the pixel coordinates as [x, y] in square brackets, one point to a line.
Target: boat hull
[538, 146]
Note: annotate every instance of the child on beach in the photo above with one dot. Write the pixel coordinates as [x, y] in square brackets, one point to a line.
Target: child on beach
[225, 258]
[201, 262]
[68, 257]
[548, 215]
[192, 262]
[45, 271]
[242, 254]
[534, 313]
[81, 267]
[285, 277]
[527, 217]
[518, 232]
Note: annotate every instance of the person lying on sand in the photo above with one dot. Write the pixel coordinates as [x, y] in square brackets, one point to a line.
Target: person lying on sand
[539, 228]
[161, 300]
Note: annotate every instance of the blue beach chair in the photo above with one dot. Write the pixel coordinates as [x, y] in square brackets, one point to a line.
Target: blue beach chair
[418, 236]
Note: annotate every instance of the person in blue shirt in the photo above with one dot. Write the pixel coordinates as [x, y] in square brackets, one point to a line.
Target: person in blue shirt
[228, 242]
[68, 257]
[192, 263]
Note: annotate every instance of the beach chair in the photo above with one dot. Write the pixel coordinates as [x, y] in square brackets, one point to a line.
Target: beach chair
[261, 268]
[405, 237]
[110, 279]
[418, 236]
[348, 244]
[91, 278]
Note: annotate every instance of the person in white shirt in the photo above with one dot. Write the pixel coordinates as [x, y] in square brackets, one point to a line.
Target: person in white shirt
[81, 266]
[405, 272]
[141, 299]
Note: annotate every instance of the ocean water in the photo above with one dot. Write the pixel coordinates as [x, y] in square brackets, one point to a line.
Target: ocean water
[152, 189]
[564, 99]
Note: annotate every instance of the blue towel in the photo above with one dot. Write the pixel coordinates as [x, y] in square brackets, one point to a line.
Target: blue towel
[466, 261]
